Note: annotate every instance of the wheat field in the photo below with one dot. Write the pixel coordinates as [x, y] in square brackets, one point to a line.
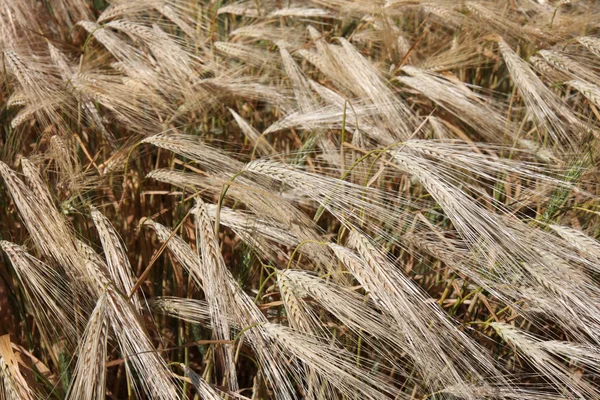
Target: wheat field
[308, 199]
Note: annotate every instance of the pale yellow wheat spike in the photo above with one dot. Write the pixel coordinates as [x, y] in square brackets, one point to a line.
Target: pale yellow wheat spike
[298, 81]
[194, 311]
[115, 253]
[89, 376]
[246, 9]
[234, 305]
[549, 110]
[49, 293]
[248, 54]
[591, 43]
[332, 363]
[182, 251]
[400, 297]
[35, 182]
[172, 15]
[302, 12]
[459, 101]
[262, 146]
[551, 368]
[153, 376]
[349, 307]
[218, 290]
[47, 226]
[589, 90]
[569, 67]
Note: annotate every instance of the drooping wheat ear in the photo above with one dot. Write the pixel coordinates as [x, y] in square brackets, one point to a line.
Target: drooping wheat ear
[349, 307]
[67, 72]
[245, 315]
[276, 214]
[263, 147]
[212, 159]
[35, 182]
[25, 76]
[298, 80]
[245, 9]
[194, 311]
[116, 256]
[589, 90]
[591, 43]
[49, 293]
[332, 363]
[121, 50]
[551, 369]
[444, 13]
[503, 24]
[61, 61]
[331, 117]
[17, 99]
[569, 67]
[218, 290]
[89, 376]
[587, 355]
[120, 9]
[153, 376]
[248, 54]
[337, 196]
[46, 225]
[31, 112]
[355, 75]
[544, 68]
[302, 12]
[460, 101]
[173, 16]
[549, 111]
[302, 319]
[584, 243]
[177, 63]
[233, 305]
[182, 251]
[66, 164]
[13, 385]
[263, 235]
[416, 317]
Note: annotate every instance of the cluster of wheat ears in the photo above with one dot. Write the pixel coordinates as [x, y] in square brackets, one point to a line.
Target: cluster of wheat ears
[285, 199]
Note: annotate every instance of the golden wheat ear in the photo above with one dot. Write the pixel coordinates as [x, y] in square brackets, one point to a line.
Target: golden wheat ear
[228, 301]
[194, 311]
[89, 376]
[407, 304]
[332, 364]
[154, 379]
[116, 256]
[47, 226]
[350, 308]
[549, 110]
[220, 298]
[49, 293]
[460, 101]
[303, 319]
[540, 354]
[262, 146]
[183, 253]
